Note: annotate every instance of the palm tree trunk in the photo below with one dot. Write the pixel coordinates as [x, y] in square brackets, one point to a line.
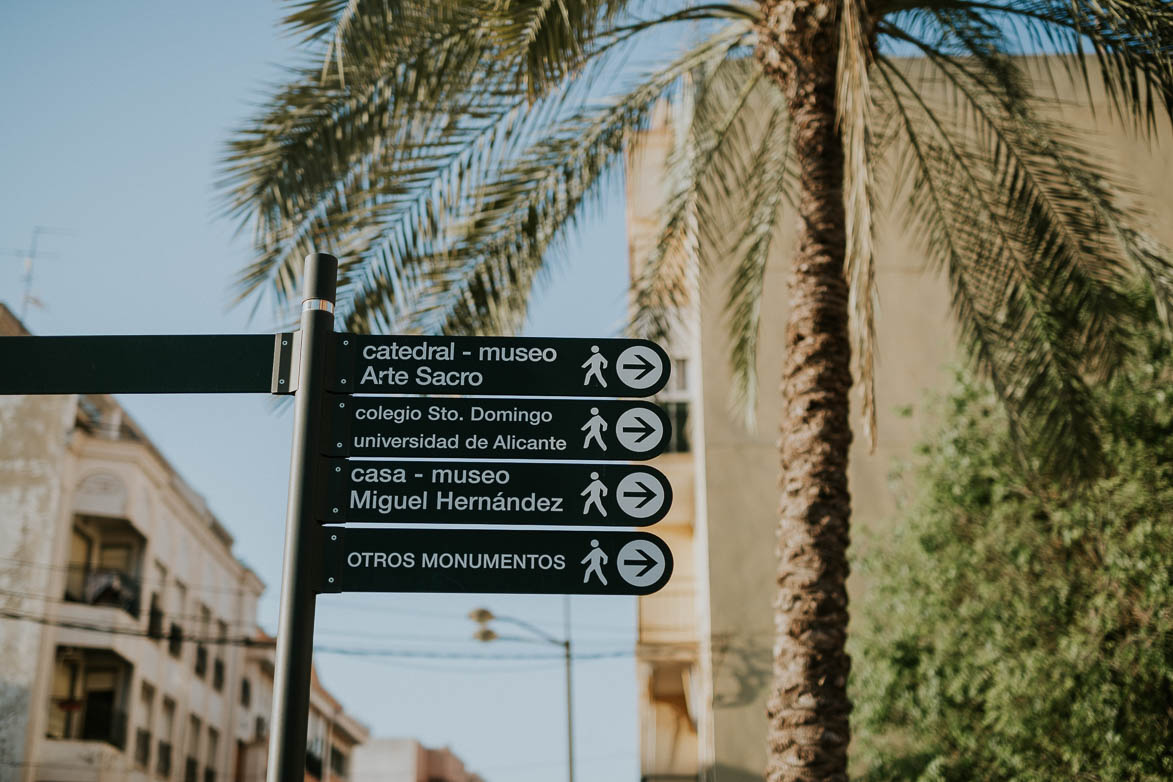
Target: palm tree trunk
[808, 707]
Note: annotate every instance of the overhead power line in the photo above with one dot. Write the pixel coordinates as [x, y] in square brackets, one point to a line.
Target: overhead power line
[424, 654]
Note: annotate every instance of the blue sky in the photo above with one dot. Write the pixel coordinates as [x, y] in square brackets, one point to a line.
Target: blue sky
[114, 115]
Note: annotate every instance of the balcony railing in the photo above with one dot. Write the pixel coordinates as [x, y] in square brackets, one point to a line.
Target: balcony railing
[313, 765]
[101, 586]
[163, 759]
[102, 723]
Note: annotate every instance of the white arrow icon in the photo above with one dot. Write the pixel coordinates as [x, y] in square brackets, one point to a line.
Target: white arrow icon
[639, 367]
[639, 429]
[640, 495]
[640, 563]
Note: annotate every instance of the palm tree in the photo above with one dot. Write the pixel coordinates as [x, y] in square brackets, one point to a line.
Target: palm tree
[444, 150]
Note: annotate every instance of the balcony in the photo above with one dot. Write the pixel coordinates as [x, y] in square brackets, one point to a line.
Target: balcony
[103, 587]
[89, 695]
[105, 560]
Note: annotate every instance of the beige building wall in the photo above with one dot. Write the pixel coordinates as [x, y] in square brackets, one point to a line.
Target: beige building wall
[406, 760]
[734, 519]
[124, 613]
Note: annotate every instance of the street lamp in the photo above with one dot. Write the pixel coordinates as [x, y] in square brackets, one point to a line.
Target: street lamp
[484, 633]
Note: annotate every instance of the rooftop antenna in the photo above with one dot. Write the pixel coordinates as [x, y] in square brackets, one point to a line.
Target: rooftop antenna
[30, 255]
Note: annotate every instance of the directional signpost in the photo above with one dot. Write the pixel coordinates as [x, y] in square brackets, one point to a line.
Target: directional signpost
[433, 492]
[471, 428]
[497, 366]
[469, 431]
[530, 562]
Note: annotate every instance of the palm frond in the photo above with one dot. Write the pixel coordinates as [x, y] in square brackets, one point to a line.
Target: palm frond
[854, 98]
[481, 272]
[1022, 331]
[712, 130]
[765, 189]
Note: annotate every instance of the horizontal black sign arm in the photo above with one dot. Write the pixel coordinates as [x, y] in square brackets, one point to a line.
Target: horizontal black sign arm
[146, 364]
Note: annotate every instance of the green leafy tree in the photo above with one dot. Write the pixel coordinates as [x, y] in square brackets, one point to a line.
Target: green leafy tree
[1020, 629]
[443, 150]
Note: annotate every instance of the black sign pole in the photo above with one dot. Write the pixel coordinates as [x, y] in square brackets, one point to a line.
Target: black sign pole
[301, 570]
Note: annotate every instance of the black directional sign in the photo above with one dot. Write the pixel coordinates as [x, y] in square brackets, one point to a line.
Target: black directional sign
[618, 495]
[497, 366]
[495, 561]
[495, 428]
[145, 364]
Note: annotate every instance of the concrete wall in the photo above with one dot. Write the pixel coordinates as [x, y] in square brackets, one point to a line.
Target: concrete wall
[32, 450]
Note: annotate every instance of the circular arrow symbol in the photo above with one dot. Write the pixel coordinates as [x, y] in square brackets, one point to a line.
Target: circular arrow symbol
[639, 367]
[640, 494]
[639, 429]
[640, 563]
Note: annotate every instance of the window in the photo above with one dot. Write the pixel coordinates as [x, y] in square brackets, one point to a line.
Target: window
[64, 704]
[155, 627]
[80, 551]
[155, 619]
[337, 761]
[143, 722]
[678, 414]
[246, 693]
[315, 750]
[218, 665]
[89, 696]
[213, 750]
[201, 663]
[175, 637]
[678, 380]
[175, 641]
[166, 730]
[191, 766]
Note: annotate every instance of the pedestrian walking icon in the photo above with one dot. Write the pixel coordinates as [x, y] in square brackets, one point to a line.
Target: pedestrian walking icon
[594, 427]
[594, 560]
[595, 491]
[594, 366]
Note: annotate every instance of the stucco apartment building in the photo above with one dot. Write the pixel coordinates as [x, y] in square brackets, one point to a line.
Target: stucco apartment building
[406, 760]
[704, 642]
[129, 646]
